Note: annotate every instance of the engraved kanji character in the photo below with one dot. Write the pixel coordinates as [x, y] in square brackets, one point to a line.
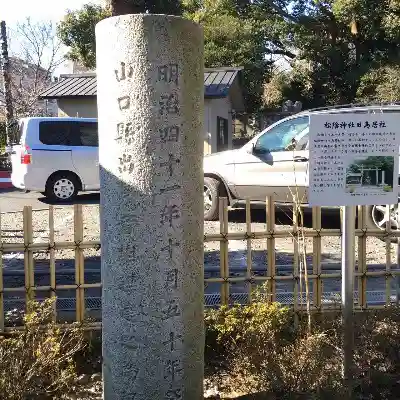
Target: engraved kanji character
[351, 125]
[359, 124]
[169, 214]
[171, 245]
[169, 134]
[169, 104]
[335, 125]
[375, 124]
[172, 369]
[173, 338]
[125, 131]
[124, 102]
[120, 130]
[343, 125]
[171, 310]
[174, 394]
[122, 73]
[367, 125]
[382, 124]
[170, 163]
[172, 278]
[328, 125]
[168, 73]
[126, 164]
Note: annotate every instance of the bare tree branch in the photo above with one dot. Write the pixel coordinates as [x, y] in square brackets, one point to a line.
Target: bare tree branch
[33, 65]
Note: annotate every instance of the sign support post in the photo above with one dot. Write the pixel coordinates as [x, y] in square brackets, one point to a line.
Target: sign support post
[348, 261]
[354, 161]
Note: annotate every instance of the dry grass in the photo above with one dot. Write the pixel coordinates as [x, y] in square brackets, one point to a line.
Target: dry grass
[38, 362]
[256, 349]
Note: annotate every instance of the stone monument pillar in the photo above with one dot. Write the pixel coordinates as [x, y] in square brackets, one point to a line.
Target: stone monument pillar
[150, 95]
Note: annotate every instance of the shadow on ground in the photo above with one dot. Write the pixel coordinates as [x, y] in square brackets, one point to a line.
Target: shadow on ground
[85, 198]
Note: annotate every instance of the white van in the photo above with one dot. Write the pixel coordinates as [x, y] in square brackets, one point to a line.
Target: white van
[56, 156]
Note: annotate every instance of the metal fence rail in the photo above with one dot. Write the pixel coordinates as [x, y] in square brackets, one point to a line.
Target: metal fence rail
[250, 276]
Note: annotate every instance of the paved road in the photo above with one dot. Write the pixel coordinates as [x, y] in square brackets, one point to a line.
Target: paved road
[14, 200]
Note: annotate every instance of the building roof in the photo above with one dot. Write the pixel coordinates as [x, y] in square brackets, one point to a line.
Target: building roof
[217, 82]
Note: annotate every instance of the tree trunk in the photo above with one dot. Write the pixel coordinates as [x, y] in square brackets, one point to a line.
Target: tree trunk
[5, 69]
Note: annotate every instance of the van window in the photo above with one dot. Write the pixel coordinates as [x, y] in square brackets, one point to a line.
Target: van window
[69, 133]
[58, 133]
[88, 133]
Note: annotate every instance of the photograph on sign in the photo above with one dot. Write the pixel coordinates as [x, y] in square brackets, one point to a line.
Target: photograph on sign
[354, 159]
[370, 174]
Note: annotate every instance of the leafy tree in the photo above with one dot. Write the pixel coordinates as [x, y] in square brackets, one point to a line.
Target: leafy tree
[236, 34]
[381, 85]
[77, 31]
[341, 41]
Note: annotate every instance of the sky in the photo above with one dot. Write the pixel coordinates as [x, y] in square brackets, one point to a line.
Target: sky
[38, 10]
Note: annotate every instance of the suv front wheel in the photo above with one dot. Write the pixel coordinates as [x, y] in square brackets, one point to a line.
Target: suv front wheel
[213, 189]
[378, 216]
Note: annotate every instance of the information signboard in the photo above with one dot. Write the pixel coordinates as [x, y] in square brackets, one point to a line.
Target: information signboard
[354, 159]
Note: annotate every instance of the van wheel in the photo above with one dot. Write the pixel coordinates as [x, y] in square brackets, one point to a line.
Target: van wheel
[62, 187]
[213, 189]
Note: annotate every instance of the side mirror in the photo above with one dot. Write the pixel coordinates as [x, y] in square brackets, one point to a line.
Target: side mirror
[259, 150]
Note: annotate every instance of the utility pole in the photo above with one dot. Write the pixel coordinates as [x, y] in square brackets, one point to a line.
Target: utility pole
[5, 69]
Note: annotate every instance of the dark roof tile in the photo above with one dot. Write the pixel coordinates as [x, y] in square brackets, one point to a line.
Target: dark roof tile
[217, 82]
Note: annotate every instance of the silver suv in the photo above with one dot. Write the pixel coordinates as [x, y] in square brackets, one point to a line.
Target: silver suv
[275, 162]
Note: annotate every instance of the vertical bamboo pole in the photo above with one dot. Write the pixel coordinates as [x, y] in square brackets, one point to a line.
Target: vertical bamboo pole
[1, 282]
[398, 260]
[388, 279]
[79, 263]
[270, 209]
[362, 257]
[249, 255]
[296, 262]
[317, 250]
[224, 268]
[226, 259]
[28, 255]
[52, 260]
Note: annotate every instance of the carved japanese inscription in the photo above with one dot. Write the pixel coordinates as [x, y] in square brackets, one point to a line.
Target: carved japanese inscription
[172, 278]
[170, 164]
[169, 104]
[173, 370]
[169, 134]
[172, 341]
[170, 214]
[123, 72]
[171, 309]
[168, 73]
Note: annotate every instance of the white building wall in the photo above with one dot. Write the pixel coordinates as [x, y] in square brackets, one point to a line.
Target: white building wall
[220, 108]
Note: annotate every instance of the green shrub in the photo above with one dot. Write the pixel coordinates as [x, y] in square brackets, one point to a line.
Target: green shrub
[256, 349]
[259, 349]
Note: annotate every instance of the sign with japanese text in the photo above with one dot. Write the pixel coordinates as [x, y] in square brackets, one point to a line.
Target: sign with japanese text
[354, 159]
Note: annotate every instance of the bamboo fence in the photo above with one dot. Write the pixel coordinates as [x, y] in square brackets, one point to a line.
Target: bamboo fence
[225, 279]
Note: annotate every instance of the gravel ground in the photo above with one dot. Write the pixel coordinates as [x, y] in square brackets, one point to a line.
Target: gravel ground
[12, 232]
